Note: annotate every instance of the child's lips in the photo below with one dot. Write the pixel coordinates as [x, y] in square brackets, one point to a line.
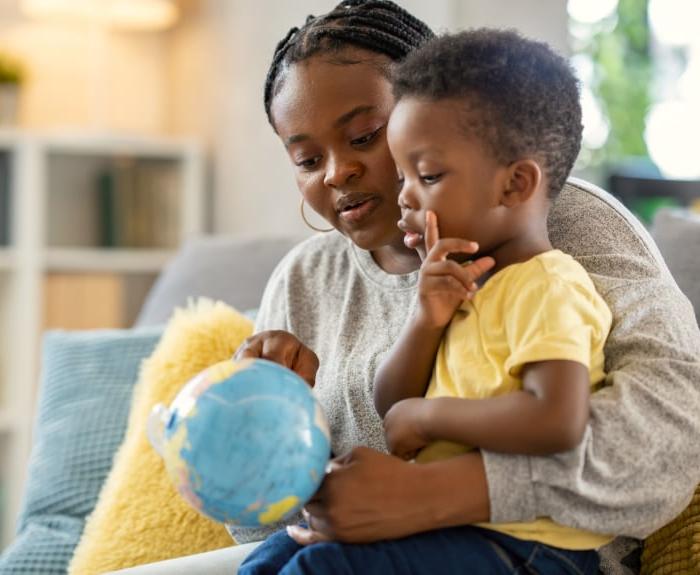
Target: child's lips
[411, 239]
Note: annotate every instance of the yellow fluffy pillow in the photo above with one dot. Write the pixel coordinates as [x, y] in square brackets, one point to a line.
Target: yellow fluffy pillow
[139, 517]
[675, 548]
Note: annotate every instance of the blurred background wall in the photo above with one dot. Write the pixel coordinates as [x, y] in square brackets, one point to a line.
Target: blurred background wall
[202, 76]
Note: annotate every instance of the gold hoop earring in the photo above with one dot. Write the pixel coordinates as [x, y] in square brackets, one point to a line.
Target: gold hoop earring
[314, 228]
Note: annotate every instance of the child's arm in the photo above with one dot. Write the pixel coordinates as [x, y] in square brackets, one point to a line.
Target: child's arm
[548, 416]
[406, 370]
[443, 286]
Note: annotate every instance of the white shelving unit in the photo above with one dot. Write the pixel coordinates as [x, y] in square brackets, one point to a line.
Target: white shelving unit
[54, 223]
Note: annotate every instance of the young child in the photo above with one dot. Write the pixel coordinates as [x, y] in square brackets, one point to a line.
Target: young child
[486, 128]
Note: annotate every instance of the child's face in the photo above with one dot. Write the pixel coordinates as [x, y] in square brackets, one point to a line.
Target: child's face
[444, 171]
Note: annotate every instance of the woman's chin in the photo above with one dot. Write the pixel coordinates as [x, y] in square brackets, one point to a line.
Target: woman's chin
[375, 239]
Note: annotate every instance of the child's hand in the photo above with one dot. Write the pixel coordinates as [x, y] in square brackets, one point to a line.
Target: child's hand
[405, 427]
[444, 284]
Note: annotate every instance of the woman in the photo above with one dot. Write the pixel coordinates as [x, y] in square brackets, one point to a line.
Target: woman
[336, 303]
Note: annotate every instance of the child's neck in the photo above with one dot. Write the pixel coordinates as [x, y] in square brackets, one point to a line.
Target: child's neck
[520, 249]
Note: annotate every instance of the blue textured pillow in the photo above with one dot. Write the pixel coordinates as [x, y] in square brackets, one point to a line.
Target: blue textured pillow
[87, 380]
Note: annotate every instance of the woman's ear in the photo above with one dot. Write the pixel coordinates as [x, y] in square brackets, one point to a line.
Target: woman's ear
[523, 179]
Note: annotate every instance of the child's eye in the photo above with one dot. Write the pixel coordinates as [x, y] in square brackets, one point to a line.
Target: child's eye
[308, 163]
[431, 178]
[366, 139]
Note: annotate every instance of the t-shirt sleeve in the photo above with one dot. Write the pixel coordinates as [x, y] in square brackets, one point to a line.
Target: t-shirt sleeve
[554, 319]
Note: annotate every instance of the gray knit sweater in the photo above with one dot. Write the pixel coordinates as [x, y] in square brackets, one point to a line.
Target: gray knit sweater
[640, 459]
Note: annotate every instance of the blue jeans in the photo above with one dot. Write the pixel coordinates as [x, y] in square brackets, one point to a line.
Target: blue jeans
[465, 549]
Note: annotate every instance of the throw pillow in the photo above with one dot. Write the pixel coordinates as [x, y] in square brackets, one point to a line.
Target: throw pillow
[140, 517]
[87, 382]
[675, 548]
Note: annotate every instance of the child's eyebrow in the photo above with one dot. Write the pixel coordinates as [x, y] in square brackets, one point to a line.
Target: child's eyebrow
[434, 153]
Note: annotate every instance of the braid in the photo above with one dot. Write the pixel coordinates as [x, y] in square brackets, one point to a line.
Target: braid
[380, 26]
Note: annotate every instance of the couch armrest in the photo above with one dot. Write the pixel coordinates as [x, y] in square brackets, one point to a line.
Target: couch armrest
[220, 562]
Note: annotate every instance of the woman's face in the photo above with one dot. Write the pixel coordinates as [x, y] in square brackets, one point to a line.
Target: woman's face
[332, 120]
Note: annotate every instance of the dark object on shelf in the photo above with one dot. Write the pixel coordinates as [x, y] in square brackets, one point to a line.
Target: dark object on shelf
[5, 167]
[645, 196]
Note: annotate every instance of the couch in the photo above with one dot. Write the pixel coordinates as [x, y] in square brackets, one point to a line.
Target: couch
[235, 270]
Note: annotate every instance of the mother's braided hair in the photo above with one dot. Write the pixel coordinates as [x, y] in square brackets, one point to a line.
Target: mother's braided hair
[379, 26]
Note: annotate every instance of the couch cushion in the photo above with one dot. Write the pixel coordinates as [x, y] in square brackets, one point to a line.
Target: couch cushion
[87, 380]
[229, 269]
[677, 233]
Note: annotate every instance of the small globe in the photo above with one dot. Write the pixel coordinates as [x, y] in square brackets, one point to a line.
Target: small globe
[245, 442]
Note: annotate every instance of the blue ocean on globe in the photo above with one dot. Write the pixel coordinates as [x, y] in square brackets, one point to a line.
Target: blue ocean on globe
[246, 442]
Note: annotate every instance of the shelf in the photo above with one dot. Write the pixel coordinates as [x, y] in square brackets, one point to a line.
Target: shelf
[8, 138]
[7, 258]
[8, 422]
[108, 260]
[102, 143]
[54, 268]
[116, 146]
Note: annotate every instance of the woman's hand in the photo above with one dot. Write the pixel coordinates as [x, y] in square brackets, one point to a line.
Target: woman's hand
[406, 427]
[368, 496]
[284, 348]
[362, 499]
[443, 283]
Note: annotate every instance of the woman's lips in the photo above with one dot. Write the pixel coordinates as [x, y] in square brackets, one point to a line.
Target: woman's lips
[358, 212]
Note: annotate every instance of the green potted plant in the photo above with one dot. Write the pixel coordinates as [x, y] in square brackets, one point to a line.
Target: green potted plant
[11, 78]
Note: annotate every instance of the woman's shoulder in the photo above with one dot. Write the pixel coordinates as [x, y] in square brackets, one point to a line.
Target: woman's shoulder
[315, 258]
[318, 249]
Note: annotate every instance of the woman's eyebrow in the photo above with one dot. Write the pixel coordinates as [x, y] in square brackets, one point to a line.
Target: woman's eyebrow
[341, 121]
[348, 116]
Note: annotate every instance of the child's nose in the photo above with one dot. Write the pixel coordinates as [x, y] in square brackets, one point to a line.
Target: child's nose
[407, 200]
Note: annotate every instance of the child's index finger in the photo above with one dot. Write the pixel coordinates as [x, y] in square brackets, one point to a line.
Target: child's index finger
[432, 233]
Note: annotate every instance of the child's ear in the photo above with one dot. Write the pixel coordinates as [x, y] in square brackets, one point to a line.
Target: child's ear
[523, 178]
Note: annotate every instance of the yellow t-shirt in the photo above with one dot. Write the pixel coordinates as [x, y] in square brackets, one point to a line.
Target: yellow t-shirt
[546, 308]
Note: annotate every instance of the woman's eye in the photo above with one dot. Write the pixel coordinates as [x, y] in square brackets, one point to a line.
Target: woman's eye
[308, 163]
[431, 178]
[366, 139]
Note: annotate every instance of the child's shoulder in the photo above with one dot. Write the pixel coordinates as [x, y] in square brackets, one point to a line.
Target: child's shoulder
[552, 268]
[557, 264]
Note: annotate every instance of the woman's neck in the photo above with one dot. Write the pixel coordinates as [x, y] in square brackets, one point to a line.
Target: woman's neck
[396, 258]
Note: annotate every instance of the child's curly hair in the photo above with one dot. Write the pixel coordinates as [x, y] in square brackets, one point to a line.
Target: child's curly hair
[521, 99]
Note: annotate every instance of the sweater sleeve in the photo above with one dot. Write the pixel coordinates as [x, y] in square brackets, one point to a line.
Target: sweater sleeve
[636, 467]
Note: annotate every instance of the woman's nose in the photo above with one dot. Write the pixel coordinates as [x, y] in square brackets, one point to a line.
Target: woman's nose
[339, 171]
